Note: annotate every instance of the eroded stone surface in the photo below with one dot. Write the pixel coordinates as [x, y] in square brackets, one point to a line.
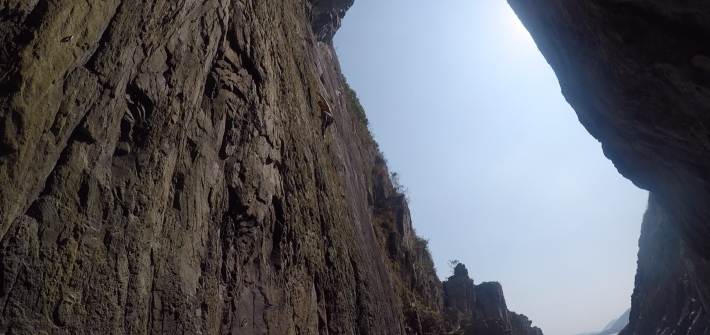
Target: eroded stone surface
[163, 172]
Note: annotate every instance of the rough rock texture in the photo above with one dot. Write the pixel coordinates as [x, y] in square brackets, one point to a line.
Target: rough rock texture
[416, 282]
[326, 16]
[665, 299]
[490, 302]
[481, 309]
[637, 73]
[163, 172]
[460, 294]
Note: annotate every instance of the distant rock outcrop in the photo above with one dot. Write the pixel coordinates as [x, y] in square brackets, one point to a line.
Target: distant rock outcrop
[616, 325]
[622, 321]
[610, 324]
[481, 309]
[460, 295]
[522, 325]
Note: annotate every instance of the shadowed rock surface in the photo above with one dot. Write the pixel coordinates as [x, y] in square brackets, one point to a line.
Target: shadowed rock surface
[665, 299]
[637, 73]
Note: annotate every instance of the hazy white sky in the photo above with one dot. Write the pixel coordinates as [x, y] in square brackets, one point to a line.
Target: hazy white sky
[501, 174]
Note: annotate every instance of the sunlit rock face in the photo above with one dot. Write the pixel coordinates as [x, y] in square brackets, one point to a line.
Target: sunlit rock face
[163, 171]
[637, 74]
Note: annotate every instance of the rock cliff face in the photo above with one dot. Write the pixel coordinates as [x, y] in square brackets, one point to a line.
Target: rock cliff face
[665, 298]
[480, 309]
[638, 75]
[163, 172]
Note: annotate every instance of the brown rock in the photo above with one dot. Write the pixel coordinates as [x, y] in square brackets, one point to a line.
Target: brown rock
[163, 172]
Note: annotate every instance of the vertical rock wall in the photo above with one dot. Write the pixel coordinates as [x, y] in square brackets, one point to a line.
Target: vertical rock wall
[666, 298]
[637, 73]
[164, 172]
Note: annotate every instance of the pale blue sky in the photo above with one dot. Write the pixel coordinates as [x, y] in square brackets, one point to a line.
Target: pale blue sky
[501, 174]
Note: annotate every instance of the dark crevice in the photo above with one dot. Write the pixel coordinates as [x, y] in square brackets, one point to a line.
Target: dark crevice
[193, 149]
[247, 62]
[211, 90]
[56, 317]
[18, 122]
[237, 209]
[32, 22]
[6, 149]
[126, 130]
[84, 192]
[10, 80]
[227, 139]
[108, 237]
[179, 185]
[141, 108]
[278, 234]
[82, 133]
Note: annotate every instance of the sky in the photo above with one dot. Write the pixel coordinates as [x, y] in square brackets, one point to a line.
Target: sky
[501, 174]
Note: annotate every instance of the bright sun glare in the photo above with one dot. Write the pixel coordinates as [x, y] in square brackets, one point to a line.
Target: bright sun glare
[514, 26]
